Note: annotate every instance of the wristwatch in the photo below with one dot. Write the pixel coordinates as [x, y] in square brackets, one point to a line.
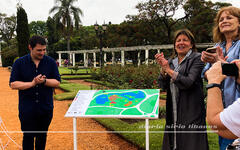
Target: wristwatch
[44, 82]
[211, 85]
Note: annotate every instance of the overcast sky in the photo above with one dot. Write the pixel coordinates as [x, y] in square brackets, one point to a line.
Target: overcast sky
[94, 10]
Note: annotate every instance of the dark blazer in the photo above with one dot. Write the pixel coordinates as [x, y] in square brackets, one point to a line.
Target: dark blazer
[191, 112]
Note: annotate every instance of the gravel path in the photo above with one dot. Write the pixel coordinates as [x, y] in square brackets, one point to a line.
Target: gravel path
[60, 136]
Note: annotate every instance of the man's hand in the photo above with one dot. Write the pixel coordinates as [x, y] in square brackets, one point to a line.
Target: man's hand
[214, 74]
[39, 79]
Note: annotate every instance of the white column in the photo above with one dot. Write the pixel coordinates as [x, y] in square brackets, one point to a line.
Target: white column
[87, 59]
[60, 59]
[122, 58]
[146, 56]
[139, 58]
[105, 59]
[73, 59]
[113, 58]
[94, 60]
[84, 59]
[71, 62]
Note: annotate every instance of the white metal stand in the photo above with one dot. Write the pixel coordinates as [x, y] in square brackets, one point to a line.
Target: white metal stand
[75, 133]
[147, 134]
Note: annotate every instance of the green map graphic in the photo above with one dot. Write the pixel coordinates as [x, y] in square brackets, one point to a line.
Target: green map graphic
[142, 103]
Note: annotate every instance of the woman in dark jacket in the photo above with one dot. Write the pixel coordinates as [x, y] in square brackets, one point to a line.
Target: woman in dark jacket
[185, 111]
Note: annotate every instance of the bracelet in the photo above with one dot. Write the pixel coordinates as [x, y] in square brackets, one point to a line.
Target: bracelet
[211, 85]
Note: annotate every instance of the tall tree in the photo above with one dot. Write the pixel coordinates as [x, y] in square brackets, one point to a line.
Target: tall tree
[160, 12]
[38, 28]
[68, 16]
[53, 36]
[22, 31]
[7, 27]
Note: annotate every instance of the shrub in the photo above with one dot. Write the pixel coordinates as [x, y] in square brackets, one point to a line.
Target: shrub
[130, 77]
[8, 55]
[162, 112]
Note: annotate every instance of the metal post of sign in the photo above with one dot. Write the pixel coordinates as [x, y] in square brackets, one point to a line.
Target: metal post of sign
[147, 134]
[75, 133]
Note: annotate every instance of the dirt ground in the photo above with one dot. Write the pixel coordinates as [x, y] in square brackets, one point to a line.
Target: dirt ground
[60, 136]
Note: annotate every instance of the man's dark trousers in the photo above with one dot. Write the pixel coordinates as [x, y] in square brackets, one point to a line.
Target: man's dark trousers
[35, 125]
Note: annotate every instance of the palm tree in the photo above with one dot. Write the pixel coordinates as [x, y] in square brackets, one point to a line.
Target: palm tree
[68, 16]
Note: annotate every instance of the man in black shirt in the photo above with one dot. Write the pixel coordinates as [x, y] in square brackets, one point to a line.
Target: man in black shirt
[35, 75]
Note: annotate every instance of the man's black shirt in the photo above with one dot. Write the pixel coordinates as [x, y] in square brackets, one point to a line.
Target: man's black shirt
[40, 97]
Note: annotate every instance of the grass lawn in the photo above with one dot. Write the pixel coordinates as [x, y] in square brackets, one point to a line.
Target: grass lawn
[80, 77]
[135, 133]
[71, 90]
[66, 70]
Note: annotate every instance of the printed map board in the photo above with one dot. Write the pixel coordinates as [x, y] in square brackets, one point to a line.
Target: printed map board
[134, 103]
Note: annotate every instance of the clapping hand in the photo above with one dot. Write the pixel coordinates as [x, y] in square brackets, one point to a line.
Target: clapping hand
[40, 79]
[162, 61]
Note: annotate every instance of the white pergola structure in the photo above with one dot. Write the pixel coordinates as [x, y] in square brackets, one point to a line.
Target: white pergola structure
[146, 48]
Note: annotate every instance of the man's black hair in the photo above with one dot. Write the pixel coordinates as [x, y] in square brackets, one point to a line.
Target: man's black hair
[37, 40]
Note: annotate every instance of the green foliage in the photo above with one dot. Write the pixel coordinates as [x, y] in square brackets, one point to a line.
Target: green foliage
[129, 77]
[213, 141]
[135, 132]
[74, 69]
[76, 77]
[67, 71]
[22, 31]
[159, 12]
[200, 18]
[102, 84]
[163, 96]
[53, 37]
[65, 96]
[162, 112]
[84, 38]
[8, 55]
[67, 16]
[7, 27]
[153, 25]
[38, 28]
